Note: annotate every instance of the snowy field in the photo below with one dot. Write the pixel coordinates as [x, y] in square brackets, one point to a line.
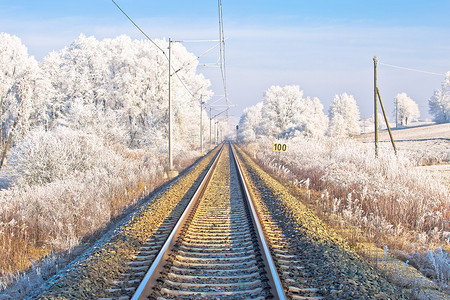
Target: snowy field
[426, 132]
[429, 143]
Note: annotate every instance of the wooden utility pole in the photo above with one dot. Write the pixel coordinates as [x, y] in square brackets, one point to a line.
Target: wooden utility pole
[387, 122]
[375, 107]
[170, 114]
[375, 96]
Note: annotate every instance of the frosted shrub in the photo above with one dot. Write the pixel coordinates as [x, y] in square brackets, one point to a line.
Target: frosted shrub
[39, 219]
[387, 192]
[433, 264]
[387, 199]
[439, 266]
[66, 210]
[45, 156]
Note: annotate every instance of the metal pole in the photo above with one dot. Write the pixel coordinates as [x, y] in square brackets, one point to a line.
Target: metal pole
[170, 114]
[201, 124]
[210, 126]
[375, 109]
[217, 132]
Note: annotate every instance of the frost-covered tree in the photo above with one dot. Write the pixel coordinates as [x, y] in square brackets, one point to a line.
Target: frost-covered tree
[286, 113]
[407, 109]
[311, 121]
[118, 88]
[113, 91]
[249, 123]
[280, 106]
[22, 90]
[439, 103]
[344, 116]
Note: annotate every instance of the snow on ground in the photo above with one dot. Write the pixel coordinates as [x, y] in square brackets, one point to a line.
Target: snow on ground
[413, 132]
[443, 170]
[429, 142]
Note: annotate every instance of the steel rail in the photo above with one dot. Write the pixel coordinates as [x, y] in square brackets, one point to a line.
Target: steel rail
[274, 279]
[147, 283]
[153, 273]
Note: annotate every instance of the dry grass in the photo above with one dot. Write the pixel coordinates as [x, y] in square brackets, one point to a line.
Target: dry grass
[387, 202]
[36, 221]
[29, 232]
[428, 144]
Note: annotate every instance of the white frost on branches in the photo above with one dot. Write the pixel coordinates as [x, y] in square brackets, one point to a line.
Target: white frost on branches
[283, 113]
[88, 130]
[113, 92]
[344, 116]
[21, 88]
[249, 123]
[122, 84]
[439, 103]
[407, 109]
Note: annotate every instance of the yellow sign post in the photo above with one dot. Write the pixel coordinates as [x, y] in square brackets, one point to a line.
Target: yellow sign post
[279, 147]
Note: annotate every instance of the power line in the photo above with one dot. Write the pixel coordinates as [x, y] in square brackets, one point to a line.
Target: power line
[197, 57]
[165, 54]
[411, 69]
[175, 72]
[198, 41]
[139, 28]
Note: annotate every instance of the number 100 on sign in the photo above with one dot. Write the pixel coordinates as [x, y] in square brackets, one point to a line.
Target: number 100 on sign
[279, 147]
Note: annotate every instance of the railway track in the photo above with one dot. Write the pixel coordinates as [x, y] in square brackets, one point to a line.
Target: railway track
[245, 237]
[216, 248]
[200, 239]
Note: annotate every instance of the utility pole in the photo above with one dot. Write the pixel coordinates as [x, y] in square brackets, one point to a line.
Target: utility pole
[201, 124]
[387, 123]
[172, 173]
[378, 96]
[217, 132]
[210, 126]
[375, 109]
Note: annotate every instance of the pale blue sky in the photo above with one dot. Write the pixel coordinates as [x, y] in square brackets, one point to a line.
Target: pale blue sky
[326, 47]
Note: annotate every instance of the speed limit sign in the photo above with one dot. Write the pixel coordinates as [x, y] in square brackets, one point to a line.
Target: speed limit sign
[279, 147]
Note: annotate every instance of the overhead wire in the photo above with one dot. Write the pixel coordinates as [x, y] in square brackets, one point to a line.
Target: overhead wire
[197, 57]
[156, 45]
[186, 65]
[221, 43]
[410, 69]
[198, 41]
[139, 28]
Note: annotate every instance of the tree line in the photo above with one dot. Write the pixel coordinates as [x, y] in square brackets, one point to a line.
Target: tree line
[113, 93]
[285, 113]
